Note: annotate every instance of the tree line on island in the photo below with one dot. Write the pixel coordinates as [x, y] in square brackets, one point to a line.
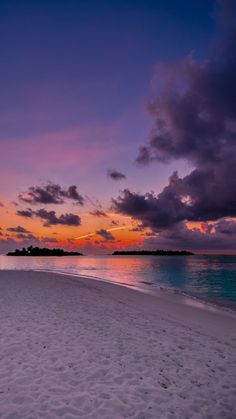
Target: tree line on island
[37, 251]
[152, 253]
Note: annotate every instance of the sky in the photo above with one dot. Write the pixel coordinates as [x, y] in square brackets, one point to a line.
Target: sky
[118, 125]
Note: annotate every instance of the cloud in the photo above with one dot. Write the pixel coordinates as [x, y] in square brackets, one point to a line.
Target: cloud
[51, 193]
[107, 236]
[115, 175]
[225, 227]
[1, 204]
[18, 229]
[23, 236]
[156, 212]
[50, 218]
[73, 194]
[25, 213]
[216, 238]
[150, 234]
[194, 119]
[98, 213]
[23, 240]
[192, 198]
[138, 228]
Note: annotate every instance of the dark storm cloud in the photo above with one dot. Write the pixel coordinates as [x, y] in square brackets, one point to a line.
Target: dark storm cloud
[217, 237]
[98, 213]
[156, 212]
[193, 198]
[50, 218]
[115, 175]
[105, 234]
[228, 228]
[18, 229]
[194, 119]
[51, 194]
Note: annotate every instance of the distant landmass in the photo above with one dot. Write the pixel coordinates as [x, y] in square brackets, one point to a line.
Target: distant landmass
[153, 253]
[37, 251]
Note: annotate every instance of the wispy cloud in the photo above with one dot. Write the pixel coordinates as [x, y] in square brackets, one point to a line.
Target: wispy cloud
[98, 213]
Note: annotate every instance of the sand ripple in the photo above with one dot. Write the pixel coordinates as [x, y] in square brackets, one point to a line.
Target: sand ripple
[77, 349]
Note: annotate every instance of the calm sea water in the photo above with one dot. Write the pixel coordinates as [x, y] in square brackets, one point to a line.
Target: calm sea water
[207, 277]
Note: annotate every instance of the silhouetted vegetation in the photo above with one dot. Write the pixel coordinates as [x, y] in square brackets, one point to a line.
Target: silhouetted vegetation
[153, 253]
[37, 251]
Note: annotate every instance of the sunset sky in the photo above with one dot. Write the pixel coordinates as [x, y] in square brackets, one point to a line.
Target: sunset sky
[118, 125]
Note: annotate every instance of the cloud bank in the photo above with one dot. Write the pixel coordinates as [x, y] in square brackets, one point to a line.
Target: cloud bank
[217, 238]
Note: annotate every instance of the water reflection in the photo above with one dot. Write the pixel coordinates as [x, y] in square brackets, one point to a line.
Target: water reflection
[211, 277]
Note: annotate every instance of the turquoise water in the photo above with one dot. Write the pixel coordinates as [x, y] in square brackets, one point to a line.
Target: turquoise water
[208, 277]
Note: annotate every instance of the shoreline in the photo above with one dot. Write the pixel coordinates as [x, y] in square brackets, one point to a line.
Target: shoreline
[165, 294]
[207, 303]
[209, 294]
[92, 349]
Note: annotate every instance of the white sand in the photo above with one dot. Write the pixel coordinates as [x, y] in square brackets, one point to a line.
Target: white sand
[78, 348]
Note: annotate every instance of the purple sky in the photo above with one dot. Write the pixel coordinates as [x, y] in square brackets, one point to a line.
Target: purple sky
[89, 87]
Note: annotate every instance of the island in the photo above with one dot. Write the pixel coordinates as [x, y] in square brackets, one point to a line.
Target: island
[37, 251]
[152, 253]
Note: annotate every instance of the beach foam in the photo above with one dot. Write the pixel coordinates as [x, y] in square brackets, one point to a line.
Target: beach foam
[78, 348]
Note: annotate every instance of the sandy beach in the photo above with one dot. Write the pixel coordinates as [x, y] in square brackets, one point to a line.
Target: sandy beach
[79, 348]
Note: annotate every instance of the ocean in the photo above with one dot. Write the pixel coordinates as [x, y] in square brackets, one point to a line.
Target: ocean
[211, 278]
